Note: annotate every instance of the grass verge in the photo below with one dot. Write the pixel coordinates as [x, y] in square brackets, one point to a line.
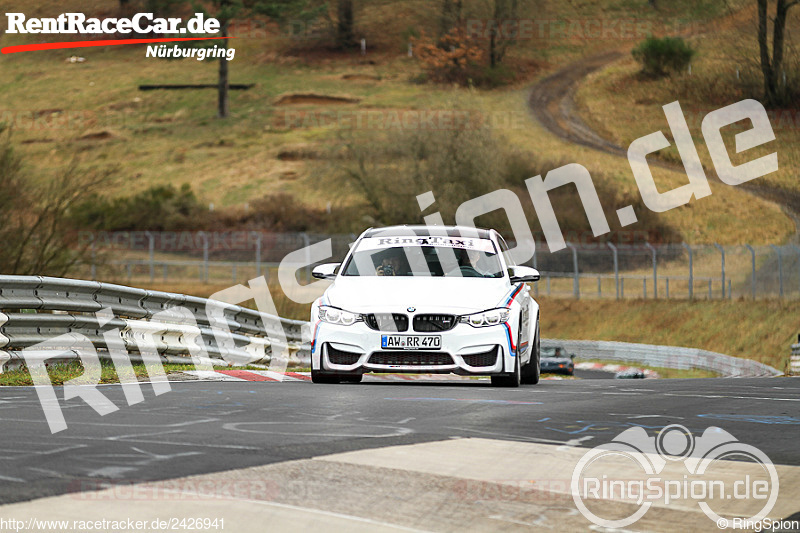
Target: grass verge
[59, 374]
[760, 330]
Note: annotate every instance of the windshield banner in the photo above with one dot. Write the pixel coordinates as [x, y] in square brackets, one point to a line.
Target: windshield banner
[376, 243]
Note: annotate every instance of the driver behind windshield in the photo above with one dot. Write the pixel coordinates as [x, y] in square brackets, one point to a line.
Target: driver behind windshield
[472, 260]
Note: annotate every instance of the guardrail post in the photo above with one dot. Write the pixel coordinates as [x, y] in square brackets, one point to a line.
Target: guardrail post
[655, 268]
[667, 287]
[576, 286]
[691, 271]
[753, 264]
[204, 274]
[535, 285]
[622, 288]
[644, 288]
[710, 289]
[599, 287]
[722, 253]
[797, 248]
[258, 253]
[94, 259]
[616, 266]
[780, 269]
[306, 244]
[152, 250]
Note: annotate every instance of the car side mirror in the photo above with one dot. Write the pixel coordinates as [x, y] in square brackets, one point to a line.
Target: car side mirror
[522, 274]
[325, 271]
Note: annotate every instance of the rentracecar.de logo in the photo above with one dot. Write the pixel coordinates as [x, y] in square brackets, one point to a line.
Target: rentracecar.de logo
[71, 23]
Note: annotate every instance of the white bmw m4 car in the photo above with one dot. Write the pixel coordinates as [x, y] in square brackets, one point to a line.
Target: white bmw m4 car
[426, 299]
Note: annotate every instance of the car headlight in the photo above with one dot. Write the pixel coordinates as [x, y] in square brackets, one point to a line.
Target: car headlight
[333, 315]
[492, 317]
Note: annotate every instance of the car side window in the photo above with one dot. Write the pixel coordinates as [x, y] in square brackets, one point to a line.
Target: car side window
[504, 251]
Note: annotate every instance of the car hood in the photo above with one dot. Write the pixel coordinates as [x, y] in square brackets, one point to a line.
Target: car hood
[426, 294]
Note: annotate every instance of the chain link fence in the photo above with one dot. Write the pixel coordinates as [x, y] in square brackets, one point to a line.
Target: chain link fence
[596, 270]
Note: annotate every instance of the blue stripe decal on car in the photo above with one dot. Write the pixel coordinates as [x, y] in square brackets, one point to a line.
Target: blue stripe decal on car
[314, 340]
[512, 349]
[513, 295]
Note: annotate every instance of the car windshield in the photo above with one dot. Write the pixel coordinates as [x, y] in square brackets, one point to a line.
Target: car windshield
[425, 256]
[553, 352]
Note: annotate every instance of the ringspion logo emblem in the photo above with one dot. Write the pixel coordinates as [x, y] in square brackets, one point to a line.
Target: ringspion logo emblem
[598, 477]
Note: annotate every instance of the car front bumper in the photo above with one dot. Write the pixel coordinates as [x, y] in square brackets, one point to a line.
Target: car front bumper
[464, 350]
[556, 368]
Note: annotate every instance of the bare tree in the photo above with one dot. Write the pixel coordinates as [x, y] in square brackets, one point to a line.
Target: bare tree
[37, 233]
[500, 27]
[503, 31]
[345, 36]
[451, 16]
[771, 67]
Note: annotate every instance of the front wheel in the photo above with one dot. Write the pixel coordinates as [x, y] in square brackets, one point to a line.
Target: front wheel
[509, 380]
[320, 376]
[531, 371]
[317, 376]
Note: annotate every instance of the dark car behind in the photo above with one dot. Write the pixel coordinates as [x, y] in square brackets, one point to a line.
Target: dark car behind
[556, 360]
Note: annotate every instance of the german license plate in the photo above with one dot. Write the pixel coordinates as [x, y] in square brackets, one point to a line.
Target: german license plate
[411, 342]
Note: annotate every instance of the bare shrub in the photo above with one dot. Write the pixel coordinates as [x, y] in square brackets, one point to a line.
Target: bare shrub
[37, 232]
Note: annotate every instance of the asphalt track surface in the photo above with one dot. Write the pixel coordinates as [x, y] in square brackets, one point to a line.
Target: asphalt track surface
[593, 374]
[204, 427]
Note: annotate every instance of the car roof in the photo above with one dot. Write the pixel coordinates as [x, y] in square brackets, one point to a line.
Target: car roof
[421, 230]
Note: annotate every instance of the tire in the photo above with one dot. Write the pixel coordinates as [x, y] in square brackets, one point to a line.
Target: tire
[532, 371]
[509, 380]
[318, 376]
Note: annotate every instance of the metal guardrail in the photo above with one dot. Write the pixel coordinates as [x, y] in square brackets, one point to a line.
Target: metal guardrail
[37, 309]
[666, 357]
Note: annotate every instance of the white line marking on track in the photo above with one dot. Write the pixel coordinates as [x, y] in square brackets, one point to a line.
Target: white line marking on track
[573, 442]
[502, 518]
[235, 426]
[513, 437]
[633, 417]
[718, 396]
